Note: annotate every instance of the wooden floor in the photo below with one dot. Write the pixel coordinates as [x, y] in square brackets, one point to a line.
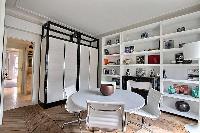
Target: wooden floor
[34, 119]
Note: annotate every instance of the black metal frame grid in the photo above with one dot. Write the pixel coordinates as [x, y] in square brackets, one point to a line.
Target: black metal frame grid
[74, 34]
[74, 37]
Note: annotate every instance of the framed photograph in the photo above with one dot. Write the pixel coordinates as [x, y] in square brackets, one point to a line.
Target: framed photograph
[140, 72]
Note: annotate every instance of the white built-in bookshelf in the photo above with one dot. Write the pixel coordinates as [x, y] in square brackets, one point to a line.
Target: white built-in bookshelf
[155, 44]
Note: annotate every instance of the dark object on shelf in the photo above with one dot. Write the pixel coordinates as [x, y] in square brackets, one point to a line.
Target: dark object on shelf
[193, 74]
[117, 41]
[169, 44]
[154, 59]
[112, 63]
[140, 59]
[118, 62]
[112, 72]
[127, 49]
[128, 72]
[144, 35]
[164, 74]
[182, 106]
[117, 80]
[181, 45]
[179, 58]
[108, 42]
[107, 89]
[106, 52]
[195, 92]
[187, 61]
[140, 72]
[132, 48]
[152, 73]
[106, 71]
[180, 29]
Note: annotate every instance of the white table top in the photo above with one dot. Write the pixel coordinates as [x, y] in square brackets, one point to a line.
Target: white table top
[131, 100]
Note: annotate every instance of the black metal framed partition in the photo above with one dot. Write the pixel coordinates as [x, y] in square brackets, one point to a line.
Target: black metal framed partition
[68, 58]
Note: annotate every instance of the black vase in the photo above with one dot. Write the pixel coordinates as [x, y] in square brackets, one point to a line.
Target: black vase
[182, 106]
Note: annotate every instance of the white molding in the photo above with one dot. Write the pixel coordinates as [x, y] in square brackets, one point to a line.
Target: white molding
[47, 18]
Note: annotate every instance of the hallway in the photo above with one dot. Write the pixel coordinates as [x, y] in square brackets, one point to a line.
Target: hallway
[12, 100]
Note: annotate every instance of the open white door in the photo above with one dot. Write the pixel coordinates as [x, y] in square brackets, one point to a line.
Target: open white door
[2, 17]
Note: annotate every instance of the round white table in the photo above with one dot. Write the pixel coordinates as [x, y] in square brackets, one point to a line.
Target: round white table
[131, 100]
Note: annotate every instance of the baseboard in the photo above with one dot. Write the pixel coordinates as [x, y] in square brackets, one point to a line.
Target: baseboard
[53, 104]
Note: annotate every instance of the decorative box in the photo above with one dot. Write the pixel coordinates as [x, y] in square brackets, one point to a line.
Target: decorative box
[154, 59]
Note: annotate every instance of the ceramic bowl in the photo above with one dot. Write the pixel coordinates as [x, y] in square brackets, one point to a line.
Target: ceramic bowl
[107, 89]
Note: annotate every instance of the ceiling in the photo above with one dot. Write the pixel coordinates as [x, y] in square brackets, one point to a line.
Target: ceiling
[101, 16]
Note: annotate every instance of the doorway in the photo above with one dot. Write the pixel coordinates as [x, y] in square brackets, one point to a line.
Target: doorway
[18, 74]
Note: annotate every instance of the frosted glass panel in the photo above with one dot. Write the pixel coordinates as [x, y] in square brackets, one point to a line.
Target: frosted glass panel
[93, 68]
[55, 70]
[42, 70]
[84, 68]
[70, 65]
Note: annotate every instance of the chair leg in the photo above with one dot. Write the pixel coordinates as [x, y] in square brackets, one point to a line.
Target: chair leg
[145, 126]
[79, 120]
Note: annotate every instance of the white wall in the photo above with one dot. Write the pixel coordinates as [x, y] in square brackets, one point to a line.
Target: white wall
[27, 31]
[2, 16]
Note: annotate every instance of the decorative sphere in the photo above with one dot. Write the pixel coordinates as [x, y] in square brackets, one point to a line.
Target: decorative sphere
[182, 106]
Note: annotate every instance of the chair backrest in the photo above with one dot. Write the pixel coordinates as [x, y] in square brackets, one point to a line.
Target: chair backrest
[139, 85]
[105, 116]
[110, 82]
[153, 101]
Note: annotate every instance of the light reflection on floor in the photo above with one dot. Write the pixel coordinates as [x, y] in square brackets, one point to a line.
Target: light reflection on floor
[12, 100]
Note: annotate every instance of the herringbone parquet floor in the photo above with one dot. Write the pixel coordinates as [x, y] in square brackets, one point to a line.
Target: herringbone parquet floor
[34, 119]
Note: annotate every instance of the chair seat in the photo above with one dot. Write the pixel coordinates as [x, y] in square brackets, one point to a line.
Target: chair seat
[71, 107]
[145, 113]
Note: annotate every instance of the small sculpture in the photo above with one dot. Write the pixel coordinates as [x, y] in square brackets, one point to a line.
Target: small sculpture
[152, 73]
[109, 42]
[106, 52]
[195, 92]
[144, 35]
[128, 72]
[127, 61]
[164, 74]
[117, 41]
[171, 90]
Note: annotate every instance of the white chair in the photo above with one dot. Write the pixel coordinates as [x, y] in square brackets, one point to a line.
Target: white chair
[110, 82]
[151, 109]
[71, 107]
[105, 116]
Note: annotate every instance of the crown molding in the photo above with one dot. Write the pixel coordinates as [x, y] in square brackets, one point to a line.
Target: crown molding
[44, 18]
